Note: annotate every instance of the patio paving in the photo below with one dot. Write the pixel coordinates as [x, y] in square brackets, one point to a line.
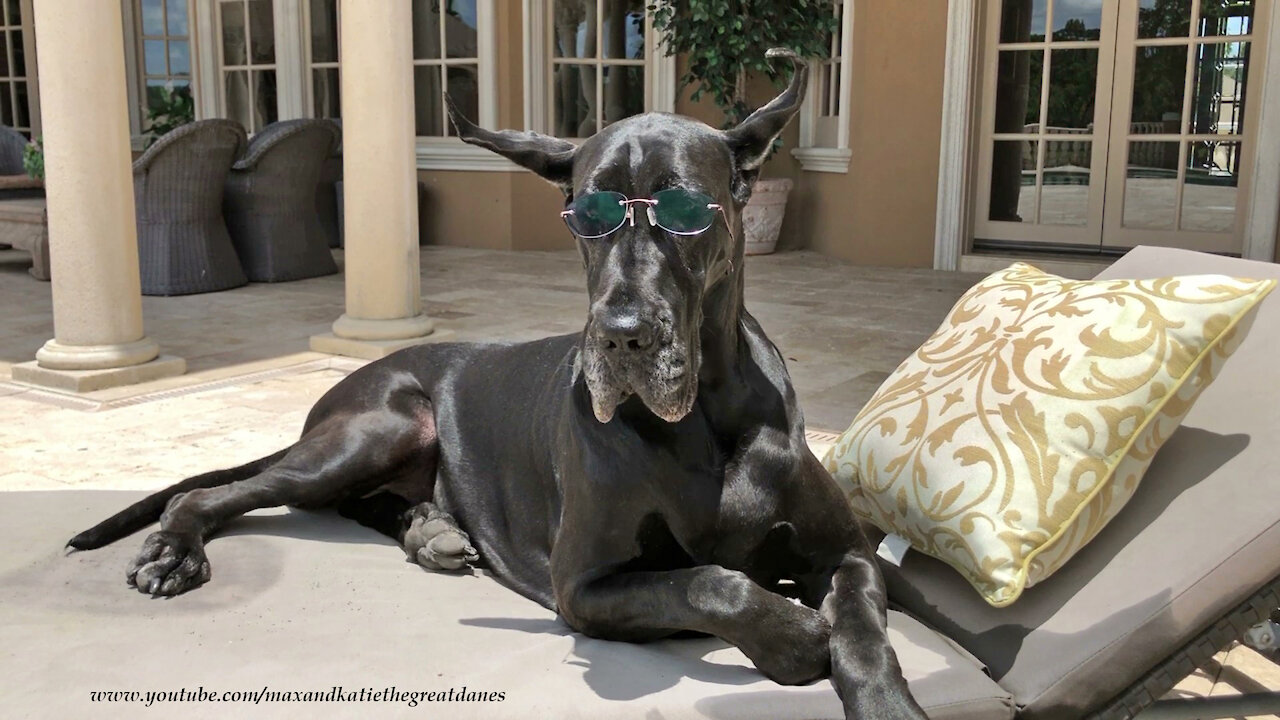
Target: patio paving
[842, 328]
[251, 378]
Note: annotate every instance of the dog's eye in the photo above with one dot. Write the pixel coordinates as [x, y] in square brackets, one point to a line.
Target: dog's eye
[596, 214]
[683, 212]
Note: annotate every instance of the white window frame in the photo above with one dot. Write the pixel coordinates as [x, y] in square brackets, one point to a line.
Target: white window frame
[249, 66]
[310, 65]
[27, 30]
[450, 153]
[293, 82]
[135, 69]
[660, 69]
[207, 70]
[432, 153]
[813, 156]
[953, 224]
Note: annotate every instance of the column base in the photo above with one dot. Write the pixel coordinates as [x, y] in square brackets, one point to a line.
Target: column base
[58, 356]
[370, 349]
[391, 329]
[83, 381]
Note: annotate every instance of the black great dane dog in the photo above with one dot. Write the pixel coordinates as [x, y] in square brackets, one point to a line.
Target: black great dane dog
[644, 477]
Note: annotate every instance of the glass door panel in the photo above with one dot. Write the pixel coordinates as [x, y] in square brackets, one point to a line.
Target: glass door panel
[1182, 112]
[1046, 103]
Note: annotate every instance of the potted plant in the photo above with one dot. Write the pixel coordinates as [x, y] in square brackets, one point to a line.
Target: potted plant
[168, 108]
[724, 43]
[33, 159]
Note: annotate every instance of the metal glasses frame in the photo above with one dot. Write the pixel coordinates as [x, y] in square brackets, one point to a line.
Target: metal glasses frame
[649, 204]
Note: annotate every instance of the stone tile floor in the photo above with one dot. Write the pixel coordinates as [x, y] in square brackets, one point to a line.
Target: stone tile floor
[842, 328]
[251, 378]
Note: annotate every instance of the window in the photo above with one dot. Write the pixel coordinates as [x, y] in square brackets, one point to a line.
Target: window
[322, 58]
[590, 63]
[824, 120]
[597, 64]
[263, 60]
[247, 62]
[17, 94]
[454, 51]
[164, 44]
[446, 58]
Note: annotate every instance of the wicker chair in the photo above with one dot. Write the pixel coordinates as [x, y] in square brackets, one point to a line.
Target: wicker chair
[270, 204]
[327, 200]
[12, 145]
[178, 183]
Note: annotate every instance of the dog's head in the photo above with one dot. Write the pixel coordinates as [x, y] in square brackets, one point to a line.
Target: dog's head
[646, 283]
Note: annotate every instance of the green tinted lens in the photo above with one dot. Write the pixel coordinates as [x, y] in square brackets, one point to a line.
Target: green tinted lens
[683, 211]
[596, 214]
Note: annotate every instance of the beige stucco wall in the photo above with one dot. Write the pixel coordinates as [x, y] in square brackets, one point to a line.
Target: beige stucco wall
[880, 213]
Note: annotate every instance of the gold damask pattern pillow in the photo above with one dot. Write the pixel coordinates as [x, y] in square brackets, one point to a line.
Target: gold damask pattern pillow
[1024, 424]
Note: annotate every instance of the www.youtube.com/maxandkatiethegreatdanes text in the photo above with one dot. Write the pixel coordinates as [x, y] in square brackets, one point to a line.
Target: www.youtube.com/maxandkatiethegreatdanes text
[335, 694]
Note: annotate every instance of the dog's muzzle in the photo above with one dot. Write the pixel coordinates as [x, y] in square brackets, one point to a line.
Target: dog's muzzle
[627, 354]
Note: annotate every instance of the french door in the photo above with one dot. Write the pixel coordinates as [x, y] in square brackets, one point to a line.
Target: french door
[1107, 124]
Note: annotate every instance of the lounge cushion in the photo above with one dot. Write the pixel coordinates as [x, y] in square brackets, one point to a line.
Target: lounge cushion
[304, 601]
[1025, 423]
[1200, 535]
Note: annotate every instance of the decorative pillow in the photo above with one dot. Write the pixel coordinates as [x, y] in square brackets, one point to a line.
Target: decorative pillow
[1024, 424]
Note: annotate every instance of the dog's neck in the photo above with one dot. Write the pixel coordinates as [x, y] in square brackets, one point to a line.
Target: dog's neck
[720, 335]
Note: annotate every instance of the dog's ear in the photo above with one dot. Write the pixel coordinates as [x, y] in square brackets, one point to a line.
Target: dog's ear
[551, 158]
[752, 139]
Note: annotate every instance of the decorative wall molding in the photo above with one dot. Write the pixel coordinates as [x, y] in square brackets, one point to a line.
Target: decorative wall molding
[823, 159]
[453, 154]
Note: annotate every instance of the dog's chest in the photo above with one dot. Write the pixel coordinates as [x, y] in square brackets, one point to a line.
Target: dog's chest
[715, 498]
[717, 516]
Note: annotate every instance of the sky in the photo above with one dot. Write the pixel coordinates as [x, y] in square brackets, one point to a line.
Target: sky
[1088, 10]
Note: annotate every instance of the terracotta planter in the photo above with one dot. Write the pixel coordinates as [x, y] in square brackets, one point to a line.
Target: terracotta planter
[762, 217]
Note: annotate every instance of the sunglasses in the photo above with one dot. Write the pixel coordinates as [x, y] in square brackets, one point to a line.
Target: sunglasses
[676, 210]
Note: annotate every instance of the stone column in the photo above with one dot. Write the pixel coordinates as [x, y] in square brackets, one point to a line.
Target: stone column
[93, 244]
[380, 187]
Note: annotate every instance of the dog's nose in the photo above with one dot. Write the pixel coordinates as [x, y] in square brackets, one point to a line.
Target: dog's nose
[625, 332]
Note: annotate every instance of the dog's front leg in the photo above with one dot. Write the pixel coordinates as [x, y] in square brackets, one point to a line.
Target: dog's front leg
[864, 667]
[786, 641]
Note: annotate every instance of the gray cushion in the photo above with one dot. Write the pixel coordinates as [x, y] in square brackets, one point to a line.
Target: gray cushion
[1201, 534]
[304, 601]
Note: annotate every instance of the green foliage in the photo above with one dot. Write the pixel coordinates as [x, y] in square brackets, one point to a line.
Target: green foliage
[168, 108]
[724, 41]
[33, 159]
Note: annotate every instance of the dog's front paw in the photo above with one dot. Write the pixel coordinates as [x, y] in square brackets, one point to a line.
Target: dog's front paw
[168, 564]
[797, 648]
[435, 541]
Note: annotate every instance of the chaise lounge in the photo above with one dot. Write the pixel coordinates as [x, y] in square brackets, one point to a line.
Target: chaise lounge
[314, 601]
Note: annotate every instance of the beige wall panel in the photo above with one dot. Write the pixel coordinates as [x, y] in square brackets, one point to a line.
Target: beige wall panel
[467, 209]
[535, 215]
[882, 212]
